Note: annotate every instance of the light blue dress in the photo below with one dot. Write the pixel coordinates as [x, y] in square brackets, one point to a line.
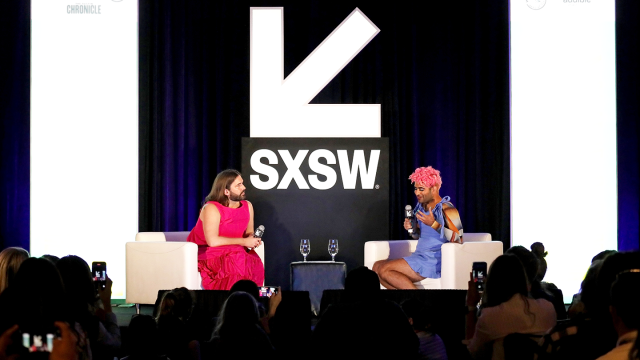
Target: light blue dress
[426, 260]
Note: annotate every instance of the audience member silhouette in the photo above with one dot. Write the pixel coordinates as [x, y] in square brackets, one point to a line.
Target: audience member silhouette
[625, 313]
[54, 259]
[252, 289]
[577, 306]
[364, 326]
[590, 334]
[587, 291]
[603, 255]
[176, 338]
[90, 307]
[238, 333]
[420, 315]
[531, 266]
[290, 328]
[10, 260]
[506, 309]
[34, 301]
[143, 339]
[247, 286]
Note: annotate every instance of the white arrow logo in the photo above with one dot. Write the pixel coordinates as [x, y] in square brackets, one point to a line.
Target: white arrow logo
[280, 107]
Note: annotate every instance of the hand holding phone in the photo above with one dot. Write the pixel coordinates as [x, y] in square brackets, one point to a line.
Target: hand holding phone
[268, 291]
[99, 271]
[65, 346]
[479, 271]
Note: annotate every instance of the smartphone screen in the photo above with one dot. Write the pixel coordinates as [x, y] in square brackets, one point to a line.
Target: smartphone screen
[38, 342]
[99, 271]
[479, 271]
[268, 291]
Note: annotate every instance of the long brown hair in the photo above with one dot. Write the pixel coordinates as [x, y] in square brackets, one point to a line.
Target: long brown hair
[223, 181]
[10, 260]
[506, 278]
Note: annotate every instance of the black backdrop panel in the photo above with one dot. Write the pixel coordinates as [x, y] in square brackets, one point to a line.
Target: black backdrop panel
[353, 216]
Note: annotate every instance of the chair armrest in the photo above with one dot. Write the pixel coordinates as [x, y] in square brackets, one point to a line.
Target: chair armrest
[457, 260]
[160, 265]
[476, 237]
[387, 249]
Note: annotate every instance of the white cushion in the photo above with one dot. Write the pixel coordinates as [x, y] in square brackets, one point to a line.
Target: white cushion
[150, 236]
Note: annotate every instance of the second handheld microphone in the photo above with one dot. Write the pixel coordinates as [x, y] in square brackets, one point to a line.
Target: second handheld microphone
[408, 214]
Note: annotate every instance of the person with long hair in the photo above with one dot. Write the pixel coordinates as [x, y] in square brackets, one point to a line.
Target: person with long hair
[35, 302]
[224, 235]
[90, 307]
[10, 260]
[177, 341]
[532, 265]
[506, 309]
[238, 333]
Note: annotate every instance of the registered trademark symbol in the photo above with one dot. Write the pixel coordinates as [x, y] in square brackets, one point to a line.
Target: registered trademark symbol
[377, 186]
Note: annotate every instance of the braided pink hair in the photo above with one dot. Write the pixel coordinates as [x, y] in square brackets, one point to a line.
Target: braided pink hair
[426, 176]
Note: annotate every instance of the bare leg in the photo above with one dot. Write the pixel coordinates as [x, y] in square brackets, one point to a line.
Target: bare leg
[377, 266]
[397, 274]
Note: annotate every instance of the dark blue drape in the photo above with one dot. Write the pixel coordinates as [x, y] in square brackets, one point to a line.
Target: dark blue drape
[14, 123]
[628, 110]
[441, 77]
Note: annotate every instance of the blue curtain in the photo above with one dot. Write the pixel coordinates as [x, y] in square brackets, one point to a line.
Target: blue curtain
[442, 78]
[14, 123]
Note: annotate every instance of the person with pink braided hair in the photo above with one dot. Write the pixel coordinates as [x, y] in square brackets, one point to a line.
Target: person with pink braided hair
[438, 223]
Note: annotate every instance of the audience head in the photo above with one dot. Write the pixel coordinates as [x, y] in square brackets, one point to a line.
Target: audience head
[76, 275]
[506, 278]
[362, 279]
[177, 302]
[10, 260]
[143, 336]
[54, 259]
[221, 183]
[625, 301]
[247, 286]
[36, 296]
[611, 267]
[426, 176]
[588, 289]
[537, 249]
[361, 283]
[239, 312]
[418, 312]
[528, 260]
[603, 255]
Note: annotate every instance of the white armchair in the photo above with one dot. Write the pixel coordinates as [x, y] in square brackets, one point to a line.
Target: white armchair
[162, 261]
[457, 259]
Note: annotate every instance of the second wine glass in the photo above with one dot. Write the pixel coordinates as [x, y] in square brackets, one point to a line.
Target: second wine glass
[305, 248]
[333, 249]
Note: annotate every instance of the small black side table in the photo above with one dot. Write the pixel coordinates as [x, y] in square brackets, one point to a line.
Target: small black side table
[316, 277]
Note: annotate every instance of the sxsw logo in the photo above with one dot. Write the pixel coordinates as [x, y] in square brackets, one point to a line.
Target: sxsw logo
[348, 170]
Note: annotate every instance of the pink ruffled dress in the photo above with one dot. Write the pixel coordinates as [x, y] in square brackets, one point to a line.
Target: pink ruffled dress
[221, 266]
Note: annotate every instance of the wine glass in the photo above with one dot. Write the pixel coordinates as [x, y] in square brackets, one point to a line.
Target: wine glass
[305, 248]
[333, 249]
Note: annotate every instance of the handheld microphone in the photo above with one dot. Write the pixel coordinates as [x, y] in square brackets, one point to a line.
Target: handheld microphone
[259, 232]
[408, 214]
